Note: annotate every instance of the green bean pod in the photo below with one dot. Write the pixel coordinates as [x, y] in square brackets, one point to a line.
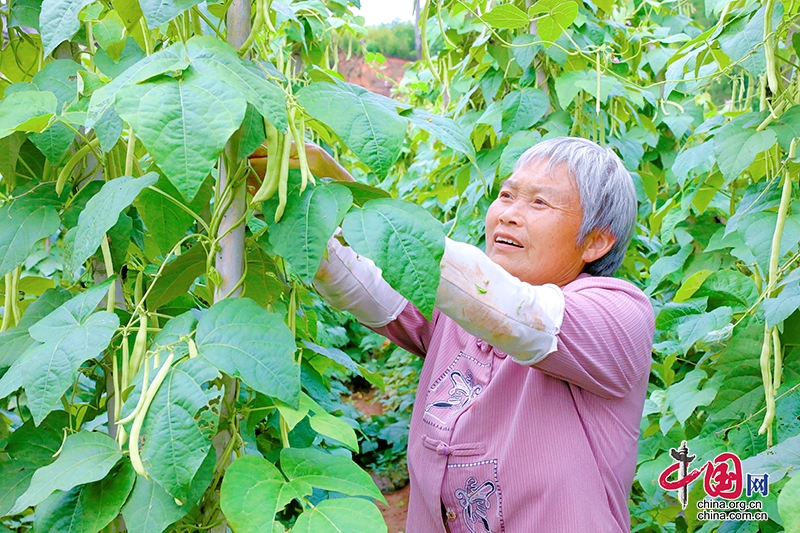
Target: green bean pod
[139, 345]
[136, 428]
[300, 146]
[73, 162]
[283, 182]
[275, 141]
[145, 384]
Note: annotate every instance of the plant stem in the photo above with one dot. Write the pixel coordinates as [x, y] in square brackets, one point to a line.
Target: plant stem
[130, 154]
[109, 264]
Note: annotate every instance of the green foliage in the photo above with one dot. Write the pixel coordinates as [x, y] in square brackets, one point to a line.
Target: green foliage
[395, 39]
[124, 135]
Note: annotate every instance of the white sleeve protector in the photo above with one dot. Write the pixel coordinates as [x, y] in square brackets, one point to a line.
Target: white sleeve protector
[351, 282]
[521, 319]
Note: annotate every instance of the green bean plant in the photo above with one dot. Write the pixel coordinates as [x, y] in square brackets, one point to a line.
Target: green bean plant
[159, 362]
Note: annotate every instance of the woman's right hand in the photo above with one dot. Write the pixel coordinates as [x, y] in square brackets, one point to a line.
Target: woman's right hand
[320, 163]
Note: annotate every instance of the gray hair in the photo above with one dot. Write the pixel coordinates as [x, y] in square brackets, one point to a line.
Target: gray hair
[605, 187]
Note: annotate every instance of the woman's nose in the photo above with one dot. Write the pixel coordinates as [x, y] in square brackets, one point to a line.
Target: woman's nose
[510, 215]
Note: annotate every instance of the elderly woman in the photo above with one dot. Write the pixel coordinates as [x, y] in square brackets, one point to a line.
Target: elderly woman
[536, 359]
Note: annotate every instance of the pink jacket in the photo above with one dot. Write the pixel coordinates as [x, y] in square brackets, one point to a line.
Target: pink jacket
[498, 447]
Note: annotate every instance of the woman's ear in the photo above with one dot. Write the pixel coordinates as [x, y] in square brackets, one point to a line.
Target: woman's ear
[598, 243]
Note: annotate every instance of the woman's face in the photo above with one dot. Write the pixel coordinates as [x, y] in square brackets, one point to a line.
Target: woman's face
[532, 227]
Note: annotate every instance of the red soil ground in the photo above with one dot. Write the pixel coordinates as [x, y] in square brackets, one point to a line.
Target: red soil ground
[396, 512]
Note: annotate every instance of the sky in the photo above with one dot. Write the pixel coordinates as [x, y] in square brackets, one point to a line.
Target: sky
[383, 11]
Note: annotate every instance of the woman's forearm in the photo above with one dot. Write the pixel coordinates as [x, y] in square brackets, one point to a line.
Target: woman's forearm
[521, 319]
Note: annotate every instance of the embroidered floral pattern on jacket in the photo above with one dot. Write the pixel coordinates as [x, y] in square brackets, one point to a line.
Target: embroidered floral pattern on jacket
[464, 390]
[475, 503]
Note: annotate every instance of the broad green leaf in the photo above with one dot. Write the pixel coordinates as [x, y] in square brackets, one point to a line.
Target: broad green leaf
[777, 461]
[687, 395]
[525, 50]
[690, 286]
[20, 64]
[442, 129]
[778, 309]
[158, 12]
[60, 78]
[556, 16]
[523, 108]
[566, 88]
[175, 444]
[25, 13]
[48, 369]
[747, 339]
[698, 159]
[310, 218]
[405, 242]
[363, 193]
[340, 357]
[789, 505]
[293, 416]
[183, 122]
[23, 223]
[88, 508]
[327, 471]
[85, 457]
[131, 13]
[131, 54]
[65, 322]
[15, 478]
[787, 416]
[695, 328]
[172, 58]
[263, 282]
[506, 17]
[787, 127]
[26, 111]
[58, 21]
[119, 238]
[736, 148]
[102, 212]
[335, 428]
[740, 395]
[110, 34]
[71, 313]
[758, 229]
[366, 124]
[150, 509]
[177, 277]
[243, 340]
[743, 41]
[673, 313]
[517, 145]
[108, 129]
[253, 132]
[253, 490]
[53, 142]
[38, 445]
[9, 153]
[605, 5]
[169, 338]
[216, 59]
[165, 220]
[729, 288]
[14, 341]
[340, 515]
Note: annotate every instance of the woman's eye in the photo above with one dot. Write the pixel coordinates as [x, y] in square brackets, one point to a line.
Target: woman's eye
[539, 201]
